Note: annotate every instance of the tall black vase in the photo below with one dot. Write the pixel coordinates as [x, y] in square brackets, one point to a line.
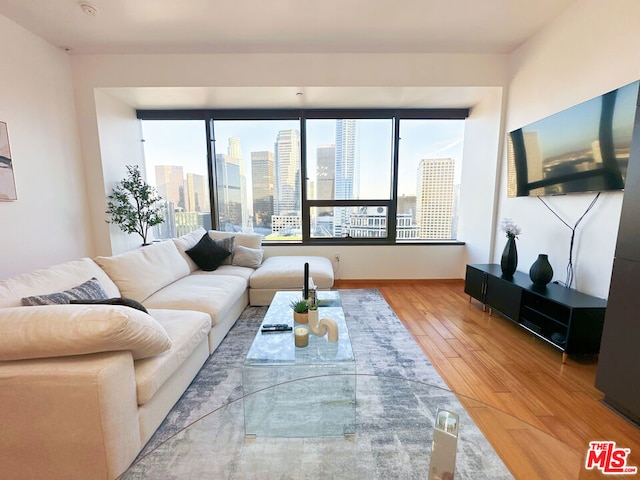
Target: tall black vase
[541, 272]
[509, 260]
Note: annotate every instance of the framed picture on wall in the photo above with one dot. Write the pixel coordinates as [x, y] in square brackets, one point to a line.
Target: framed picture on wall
[7, 180]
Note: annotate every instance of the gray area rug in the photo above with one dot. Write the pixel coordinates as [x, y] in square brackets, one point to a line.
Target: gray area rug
[398, 393]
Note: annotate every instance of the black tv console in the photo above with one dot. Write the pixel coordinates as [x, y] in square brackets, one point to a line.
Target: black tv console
[567, 319]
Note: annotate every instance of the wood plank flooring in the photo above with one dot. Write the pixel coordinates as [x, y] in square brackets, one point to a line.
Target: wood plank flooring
[490, 359]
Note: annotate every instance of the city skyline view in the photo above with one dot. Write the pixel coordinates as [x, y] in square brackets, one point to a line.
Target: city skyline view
[168, 140]
[366, 167]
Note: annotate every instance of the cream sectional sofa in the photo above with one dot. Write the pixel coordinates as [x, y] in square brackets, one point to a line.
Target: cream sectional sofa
[83, 387]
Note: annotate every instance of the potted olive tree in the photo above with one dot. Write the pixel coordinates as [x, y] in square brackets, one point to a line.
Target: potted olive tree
[134, 205]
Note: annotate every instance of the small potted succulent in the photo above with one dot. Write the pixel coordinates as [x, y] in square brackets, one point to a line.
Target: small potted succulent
[300, 311]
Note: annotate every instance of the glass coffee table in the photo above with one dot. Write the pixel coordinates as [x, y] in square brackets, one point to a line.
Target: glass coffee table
[394, 435]
[276, 404]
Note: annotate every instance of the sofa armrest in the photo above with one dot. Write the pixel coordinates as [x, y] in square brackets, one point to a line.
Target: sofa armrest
[68, 417]
[65, 330]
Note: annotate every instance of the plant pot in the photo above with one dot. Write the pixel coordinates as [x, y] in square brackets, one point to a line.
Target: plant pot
[509, 260]
[301, 317]
[541, 272]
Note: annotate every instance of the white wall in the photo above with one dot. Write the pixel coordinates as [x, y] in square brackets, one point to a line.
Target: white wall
[120, 136]
[48, 223]
[93, 73]
[386, 262]
[594, 47]
[482, 144]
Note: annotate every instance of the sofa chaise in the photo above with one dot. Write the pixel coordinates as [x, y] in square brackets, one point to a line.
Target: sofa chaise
[84, 386]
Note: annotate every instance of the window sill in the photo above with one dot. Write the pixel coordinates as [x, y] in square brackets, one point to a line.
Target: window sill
[363, 242]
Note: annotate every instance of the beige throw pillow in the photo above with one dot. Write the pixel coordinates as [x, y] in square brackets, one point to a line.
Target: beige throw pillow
[142, 272]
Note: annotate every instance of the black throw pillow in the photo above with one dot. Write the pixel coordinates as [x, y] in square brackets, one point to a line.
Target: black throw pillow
[127, 302]
[207, 254]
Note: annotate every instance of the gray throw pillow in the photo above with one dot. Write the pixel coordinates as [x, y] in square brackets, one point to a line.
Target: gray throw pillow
[247, 257]
[227, 244]
[89, 290]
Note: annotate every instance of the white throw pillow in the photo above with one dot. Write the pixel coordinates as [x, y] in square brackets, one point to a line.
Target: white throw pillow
[188, 241]
[142, 272]
[247, 257]
[63, 330]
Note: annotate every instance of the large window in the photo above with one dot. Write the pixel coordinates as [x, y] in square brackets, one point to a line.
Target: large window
[348, 159]
[308, 176]
[430, 160]
[175, 154]
[257, 170]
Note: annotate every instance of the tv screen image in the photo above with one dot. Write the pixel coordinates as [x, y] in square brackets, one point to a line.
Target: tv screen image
[584, 148]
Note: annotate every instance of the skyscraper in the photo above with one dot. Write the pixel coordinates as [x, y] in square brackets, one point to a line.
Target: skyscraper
[234, 156]
[170, 184]
[346, 172]
[346, 168]
[326, 176]
[287, 167]
[326, 172]
[434, 198]
[263, 183]
[229, 193]
[197, 193]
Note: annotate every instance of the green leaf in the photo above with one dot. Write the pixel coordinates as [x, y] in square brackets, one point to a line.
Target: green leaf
[134, 205]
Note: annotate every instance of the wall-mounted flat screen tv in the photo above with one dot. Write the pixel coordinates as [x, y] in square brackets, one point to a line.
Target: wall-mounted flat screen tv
[584, 148]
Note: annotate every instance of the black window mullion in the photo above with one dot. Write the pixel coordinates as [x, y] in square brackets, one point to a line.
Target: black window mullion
[305, 213]
[393, 208]
[349, 203]
[213, 174]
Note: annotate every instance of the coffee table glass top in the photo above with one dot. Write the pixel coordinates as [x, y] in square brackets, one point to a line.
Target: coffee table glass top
[325, 405]
[279, 348]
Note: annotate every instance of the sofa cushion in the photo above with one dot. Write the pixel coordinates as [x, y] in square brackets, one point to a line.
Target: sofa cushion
[89, 290]
[247, 257]
[186, 329]
[127, 302]
[207, 254]
[53, 279]
[209, 293]
[233, 270]
[142, 272]
[64, 330]
[287, 272]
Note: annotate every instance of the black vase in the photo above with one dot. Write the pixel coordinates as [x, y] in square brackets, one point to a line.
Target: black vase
[541, 272]
[509, 260]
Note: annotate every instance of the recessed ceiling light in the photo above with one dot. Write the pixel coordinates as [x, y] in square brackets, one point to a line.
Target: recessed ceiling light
[89, 9]
[299, 94]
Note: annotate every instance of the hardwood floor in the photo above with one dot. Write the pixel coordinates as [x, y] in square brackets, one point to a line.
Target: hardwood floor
[490, 359]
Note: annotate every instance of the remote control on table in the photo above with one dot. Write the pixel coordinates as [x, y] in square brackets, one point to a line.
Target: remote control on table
[276, 328]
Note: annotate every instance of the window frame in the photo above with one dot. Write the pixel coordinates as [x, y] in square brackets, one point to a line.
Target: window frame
[210, 116]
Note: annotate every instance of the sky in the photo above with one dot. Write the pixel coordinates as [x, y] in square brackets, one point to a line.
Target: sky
[169, 142]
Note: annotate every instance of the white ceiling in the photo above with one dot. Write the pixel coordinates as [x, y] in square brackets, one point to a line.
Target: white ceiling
[286, 26]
